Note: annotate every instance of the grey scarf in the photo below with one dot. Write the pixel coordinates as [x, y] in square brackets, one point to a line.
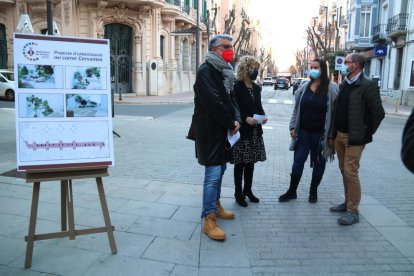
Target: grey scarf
[224, 67]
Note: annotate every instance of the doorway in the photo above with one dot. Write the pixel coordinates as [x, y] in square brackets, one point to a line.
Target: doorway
[121, 56]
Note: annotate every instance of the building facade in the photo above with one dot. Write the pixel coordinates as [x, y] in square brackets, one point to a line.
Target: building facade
[153, 43]
[383, 31]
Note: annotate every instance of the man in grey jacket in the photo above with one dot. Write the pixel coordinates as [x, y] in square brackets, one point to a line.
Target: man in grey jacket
[358, 113]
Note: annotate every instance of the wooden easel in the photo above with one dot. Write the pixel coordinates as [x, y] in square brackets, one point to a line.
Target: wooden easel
[67, 213]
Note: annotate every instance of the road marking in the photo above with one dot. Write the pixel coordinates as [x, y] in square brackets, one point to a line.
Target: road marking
[277, 101]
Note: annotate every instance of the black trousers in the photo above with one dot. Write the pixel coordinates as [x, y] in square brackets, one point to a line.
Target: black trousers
[241, 170]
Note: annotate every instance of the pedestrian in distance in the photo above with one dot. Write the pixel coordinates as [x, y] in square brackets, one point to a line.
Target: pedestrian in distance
[215, 113]
[309, 127]
[250, 148]
[358, 113]
[407, 149]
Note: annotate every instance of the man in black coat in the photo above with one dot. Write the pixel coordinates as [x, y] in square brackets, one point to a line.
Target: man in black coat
[358, 113]
[215, 115]
[407, 149]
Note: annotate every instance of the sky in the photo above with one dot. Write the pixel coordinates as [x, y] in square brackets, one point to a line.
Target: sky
[287, 20]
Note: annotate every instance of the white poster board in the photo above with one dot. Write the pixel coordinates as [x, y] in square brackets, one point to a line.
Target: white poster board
[63, 102]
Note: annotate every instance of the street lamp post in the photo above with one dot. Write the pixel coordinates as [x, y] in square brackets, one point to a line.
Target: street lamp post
[49, 17]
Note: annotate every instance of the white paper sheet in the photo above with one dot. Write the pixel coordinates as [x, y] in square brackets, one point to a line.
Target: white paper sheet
[232, 139]
[259, 118]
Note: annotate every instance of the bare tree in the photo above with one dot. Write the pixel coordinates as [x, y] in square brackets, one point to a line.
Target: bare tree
[300, 61]
[242, 41]
[292, 70]
[229, 21]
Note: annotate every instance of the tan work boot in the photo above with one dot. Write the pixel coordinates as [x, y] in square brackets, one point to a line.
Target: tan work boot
[221, 213]
[212, 229]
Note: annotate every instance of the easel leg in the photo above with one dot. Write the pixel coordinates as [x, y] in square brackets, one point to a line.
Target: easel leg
[71, 213]
[32, 225]
[105, 212]
[63, 210]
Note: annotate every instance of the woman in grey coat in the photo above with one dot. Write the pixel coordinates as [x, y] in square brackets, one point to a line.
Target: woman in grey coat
[309, 127]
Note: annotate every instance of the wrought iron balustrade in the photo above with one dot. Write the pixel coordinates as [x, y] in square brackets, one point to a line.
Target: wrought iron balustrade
[397, 23]
[174, 2]
[379, 32]
[186, 9]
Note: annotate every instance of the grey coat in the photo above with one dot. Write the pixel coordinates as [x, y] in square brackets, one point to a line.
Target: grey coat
[327, 151]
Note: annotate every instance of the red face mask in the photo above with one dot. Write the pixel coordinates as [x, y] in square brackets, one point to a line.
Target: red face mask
[227, 55]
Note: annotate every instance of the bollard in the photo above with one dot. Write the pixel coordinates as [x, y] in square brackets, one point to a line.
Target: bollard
[120, 93]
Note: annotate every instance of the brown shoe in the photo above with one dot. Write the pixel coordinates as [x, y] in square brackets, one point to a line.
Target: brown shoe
[223, 214]
[212, 229]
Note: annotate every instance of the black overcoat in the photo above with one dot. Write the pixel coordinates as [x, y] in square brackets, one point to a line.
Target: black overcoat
[215, 112]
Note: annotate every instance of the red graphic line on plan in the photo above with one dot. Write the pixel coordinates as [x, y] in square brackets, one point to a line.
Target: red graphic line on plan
[34, 146]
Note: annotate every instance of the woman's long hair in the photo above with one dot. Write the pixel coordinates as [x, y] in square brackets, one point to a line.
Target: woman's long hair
[323, 86]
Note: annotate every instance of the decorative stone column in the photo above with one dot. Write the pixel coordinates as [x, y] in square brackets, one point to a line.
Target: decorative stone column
[139, 82]
[93, 24]
[67, 24]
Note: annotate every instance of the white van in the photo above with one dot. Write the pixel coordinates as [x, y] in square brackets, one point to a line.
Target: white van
[7, 84]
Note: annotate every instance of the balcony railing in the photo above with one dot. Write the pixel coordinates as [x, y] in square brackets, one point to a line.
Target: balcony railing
[397, 24]
[186, 9]
[174, 2]
[379, 32]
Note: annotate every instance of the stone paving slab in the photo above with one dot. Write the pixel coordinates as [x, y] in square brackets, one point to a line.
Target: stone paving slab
[59, 260]
[154, 197]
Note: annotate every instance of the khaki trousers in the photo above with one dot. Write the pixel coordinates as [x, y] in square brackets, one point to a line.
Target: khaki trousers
[348, 159]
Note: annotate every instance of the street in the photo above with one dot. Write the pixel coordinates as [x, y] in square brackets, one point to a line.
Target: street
[154, 196]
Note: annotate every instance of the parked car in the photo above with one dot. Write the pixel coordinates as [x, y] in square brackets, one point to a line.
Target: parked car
[298, 82]
[274, 80]
[267, 81]
[7, 84]
[282, 83]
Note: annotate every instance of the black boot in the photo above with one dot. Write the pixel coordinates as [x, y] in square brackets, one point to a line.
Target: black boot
[313, 191]
[238, 175]
[248, 181]
[291, 193]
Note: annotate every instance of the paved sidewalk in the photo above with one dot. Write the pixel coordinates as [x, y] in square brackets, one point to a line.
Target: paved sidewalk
[187, 97]
[154, 197]
[391, 108]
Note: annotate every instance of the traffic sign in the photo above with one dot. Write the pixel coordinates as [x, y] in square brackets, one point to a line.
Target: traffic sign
[339, 61]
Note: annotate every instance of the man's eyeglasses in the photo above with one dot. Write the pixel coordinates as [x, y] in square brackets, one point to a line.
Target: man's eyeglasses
[349, 61]
[226, 46]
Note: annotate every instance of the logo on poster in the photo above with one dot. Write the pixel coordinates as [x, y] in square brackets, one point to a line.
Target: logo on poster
[31, 52]
[28, 51]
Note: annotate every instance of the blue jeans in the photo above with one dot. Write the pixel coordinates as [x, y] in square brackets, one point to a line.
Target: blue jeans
[212, 188]
[308, 142]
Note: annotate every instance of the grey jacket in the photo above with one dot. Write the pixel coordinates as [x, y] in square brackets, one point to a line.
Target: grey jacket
[327, 151]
